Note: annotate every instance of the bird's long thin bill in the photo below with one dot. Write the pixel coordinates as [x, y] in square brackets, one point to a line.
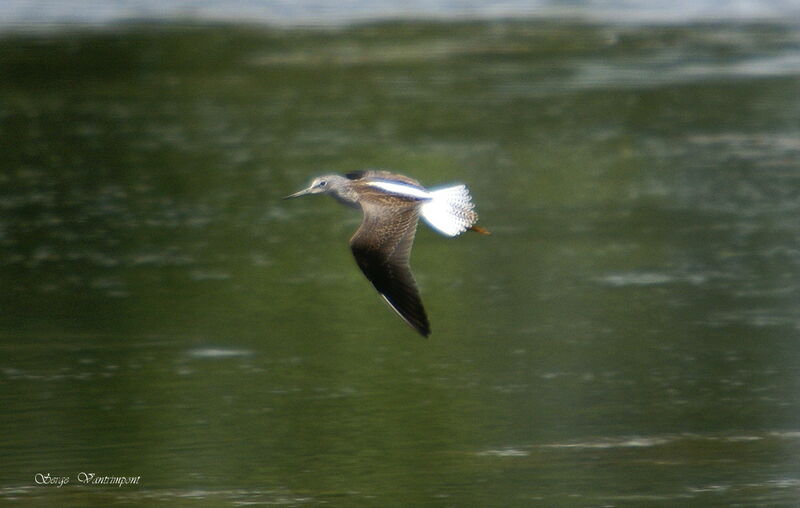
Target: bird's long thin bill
[298, 194]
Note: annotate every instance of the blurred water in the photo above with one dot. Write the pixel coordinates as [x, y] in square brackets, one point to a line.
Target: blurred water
[45, 14]
[628, 336]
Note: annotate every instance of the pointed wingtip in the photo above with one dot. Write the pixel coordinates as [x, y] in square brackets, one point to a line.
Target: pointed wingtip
[418, 322]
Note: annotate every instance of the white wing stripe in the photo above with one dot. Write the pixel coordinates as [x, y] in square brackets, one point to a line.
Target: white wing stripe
[401, 189]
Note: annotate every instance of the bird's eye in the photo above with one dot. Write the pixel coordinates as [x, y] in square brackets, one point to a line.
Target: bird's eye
[322, 183]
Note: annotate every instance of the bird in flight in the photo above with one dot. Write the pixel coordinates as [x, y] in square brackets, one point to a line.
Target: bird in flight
[391, 205]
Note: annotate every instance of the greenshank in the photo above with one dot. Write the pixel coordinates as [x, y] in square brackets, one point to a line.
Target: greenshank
[391, 205]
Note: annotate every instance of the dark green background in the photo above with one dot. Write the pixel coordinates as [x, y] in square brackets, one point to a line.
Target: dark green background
[628, 336]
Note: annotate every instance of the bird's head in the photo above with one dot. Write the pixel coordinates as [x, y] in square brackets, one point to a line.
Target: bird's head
[319, 185]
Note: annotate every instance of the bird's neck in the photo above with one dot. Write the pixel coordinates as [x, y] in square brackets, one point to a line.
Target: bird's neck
[346, 197]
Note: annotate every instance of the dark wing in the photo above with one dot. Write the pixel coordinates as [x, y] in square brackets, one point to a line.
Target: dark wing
[382, 247]
[381, 175]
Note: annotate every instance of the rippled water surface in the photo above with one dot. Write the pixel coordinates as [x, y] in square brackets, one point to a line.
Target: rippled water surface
[628, 336]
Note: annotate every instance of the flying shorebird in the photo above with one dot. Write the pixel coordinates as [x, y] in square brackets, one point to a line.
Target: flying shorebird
[391, 205]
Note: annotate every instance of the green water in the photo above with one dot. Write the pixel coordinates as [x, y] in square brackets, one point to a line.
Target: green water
[628, 336]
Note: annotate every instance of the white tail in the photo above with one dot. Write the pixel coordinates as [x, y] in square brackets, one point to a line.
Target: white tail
[450, 210]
